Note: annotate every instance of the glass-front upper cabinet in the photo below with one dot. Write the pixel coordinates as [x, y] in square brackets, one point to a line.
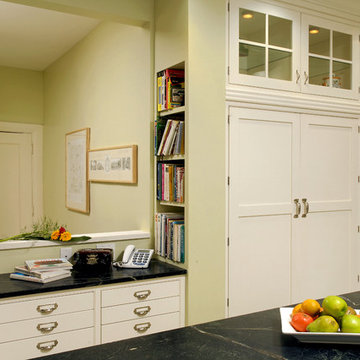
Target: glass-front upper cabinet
[264, 45]
[329, 57]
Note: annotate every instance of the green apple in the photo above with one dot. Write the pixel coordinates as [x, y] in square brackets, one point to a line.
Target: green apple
[350, 324]
[334, 306]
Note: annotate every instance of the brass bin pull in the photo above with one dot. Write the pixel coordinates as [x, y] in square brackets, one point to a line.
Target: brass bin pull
[141, 295]
[297, 76]
[141, 328]
[142, 311]
[50, 345]
[306, 77]
[306, 207]
[47, 308]
[297, 207]
[47, 327]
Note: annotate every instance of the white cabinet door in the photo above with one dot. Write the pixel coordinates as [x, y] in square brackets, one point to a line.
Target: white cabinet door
[330, 61]
[264, 45]
[264, 157]
[323, 261]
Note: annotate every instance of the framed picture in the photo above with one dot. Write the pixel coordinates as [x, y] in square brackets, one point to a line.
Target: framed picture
[114, 165]
[76, 178]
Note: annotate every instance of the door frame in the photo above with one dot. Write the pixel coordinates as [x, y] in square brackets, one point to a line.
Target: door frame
[36, 132]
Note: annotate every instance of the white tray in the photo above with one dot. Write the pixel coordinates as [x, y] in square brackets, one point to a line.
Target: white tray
[316, 337]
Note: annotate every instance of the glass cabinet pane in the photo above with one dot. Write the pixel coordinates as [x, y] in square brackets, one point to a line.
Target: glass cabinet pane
[280, 64]
[342, 46]
[251, 60]
[319, 40]
[280, 32]
[252, 26]
[342, 75]
[319, 70]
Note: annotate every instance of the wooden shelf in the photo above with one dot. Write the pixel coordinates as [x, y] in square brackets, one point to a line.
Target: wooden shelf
[176, 110]
[172, 203]
[170, 157]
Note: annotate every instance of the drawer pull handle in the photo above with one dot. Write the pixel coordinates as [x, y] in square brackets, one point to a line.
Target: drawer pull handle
[47, 308]
[141, 328]
[141, 295]
[47, 327]
[142, 311]
[47, 345]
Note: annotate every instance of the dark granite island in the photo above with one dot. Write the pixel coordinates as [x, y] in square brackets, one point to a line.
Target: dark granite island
[254, 336]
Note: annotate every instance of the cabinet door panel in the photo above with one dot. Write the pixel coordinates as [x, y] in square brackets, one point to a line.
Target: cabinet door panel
[320, 260]
[263, 167]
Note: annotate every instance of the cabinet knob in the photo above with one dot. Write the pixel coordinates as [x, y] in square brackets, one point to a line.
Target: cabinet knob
[47, 345]
[297, 208]
[141, 295]
[306, 77]
[306, 207]
[47, 308]
[141, 328]
[297, 76]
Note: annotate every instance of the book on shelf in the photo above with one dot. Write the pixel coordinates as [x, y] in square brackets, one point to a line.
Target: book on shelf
[26, 277]
[41, 264]
[41, 274]
[169, 241]
[170, 137]
[170, 182]
[161, 87]
[159, 128]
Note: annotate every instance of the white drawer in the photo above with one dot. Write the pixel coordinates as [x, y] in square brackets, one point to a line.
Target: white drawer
[27, 349]
[150, 325]
[42, 307]
[139, 311]
[138, 293]
[54, 324]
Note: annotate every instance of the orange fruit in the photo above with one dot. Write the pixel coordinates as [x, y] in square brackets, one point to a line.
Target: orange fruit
[296, 309]
[300, 321]
[310, 307]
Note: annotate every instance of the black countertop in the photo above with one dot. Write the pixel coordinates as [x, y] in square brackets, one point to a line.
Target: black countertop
[249, 337]
[10, 287]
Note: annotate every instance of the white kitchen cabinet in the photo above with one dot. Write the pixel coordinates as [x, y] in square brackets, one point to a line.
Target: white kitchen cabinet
[291, 207]
[38, 325]
[140, 309]
[279, 48]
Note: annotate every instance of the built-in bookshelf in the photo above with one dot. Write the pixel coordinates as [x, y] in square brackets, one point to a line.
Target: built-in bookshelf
[169, 164]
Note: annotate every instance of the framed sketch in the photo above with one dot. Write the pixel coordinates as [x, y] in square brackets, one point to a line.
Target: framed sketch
[76, 178]
[114, 165]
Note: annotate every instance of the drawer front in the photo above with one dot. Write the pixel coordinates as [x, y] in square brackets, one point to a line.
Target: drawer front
[54, 324]
[133, 328]
[139, 293]
[43, 307]
[139, 311]
[48, 345]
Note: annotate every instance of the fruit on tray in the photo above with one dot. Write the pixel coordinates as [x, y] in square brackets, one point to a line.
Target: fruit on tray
[332, 315]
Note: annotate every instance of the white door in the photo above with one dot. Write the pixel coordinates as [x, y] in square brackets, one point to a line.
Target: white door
[324, 251]
[15, 183]
[263, 169]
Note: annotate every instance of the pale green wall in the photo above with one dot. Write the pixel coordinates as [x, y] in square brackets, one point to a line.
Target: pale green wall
[102, 83]
[21, 95]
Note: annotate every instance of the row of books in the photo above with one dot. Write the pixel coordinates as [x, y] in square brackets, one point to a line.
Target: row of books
[170, 236]
[170, 182]
[169, 137]
[43, 270]
[171, 89]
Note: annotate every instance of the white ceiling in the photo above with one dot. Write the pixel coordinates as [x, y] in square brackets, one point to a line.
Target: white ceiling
[33, 38]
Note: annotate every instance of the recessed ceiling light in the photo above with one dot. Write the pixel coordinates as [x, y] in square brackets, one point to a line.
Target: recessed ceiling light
[247, 15]
[314, 31]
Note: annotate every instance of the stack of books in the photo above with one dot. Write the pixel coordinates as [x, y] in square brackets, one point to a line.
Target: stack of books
[43, 270]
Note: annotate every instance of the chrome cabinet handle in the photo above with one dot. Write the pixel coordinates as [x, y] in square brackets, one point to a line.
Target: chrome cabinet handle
[306, 77]
[47, 308]
[306, 207]
[142, 311]
[141, 295]
[297, 76]
[141, 328]
[297, 208]
[46, 329]
[50, 345]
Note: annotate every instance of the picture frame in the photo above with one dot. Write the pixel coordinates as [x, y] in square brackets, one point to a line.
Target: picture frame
[77, 189]
[116, 164]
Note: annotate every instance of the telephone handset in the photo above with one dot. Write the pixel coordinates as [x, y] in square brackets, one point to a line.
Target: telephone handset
[133, 258]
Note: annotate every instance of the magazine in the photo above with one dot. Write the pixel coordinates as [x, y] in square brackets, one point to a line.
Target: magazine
[42, 264]
[20, 276]
[42, 274]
